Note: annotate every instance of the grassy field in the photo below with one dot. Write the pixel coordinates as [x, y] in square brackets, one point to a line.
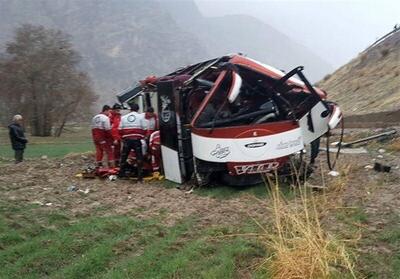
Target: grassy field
[34, 244]
[38, 241]
[74, 140]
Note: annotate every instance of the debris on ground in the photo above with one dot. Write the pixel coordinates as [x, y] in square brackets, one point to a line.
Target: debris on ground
[112, 177]
[37, 202]
[382, 168]
[315, 187]
[144, 200]
[359, 150]
[383, 135]
[333, 173]
[190, 191]
[72, 188]
[86, 191]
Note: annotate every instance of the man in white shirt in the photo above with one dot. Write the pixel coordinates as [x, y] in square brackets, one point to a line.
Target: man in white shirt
[132, 128]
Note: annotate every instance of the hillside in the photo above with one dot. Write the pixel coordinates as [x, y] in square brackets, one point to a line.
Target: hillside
[249, 35]
[369, 83]
[122, 41]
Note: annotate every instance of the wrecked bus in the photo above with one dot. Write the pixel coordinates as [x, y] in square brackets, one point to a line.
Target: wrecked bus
[233, 118]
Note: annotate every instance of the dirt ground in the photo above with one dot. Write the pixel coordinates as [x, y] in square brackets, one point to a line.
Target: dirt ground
[46, 182]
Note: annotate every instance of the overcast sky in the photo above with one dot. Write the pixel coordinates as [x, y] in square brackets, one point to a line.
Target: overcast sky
[334, 30]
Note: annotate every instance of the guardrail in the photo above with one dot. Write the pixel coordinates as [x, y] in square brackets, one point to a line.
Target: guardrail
[381, 39]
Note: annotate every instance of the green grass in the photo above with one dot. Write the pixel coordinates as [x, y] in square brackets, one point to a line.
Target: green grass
[228, 192]
[219, 191]
[37, 242]
[75, 140]
[352, 216]
[384, 260]
[382, 257]
[51, 150]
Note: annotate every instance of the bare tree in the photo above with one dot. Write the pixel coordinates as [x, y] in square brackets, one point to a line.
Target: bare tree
[40, 78]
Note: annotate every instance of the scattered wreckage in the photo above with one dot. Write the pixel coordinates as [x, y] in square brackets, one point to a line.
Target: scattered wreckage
[383, 135]
[232, 118]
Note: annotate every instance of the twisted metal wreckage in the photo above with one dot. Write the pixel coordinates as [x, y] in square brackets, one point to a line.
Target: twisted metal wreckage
[232, 118]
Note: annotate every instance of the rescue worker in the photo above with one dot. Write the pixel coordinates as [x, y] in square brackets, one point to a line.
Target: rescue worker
[17, 137]
[153, 141]
[115, 119]
[132, 129]
[155, 152]
[152, 121]
[101, 133]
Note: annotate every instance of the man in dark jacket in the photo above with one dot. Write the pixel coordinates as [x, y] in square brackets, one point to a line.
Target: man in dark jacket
[17, 137]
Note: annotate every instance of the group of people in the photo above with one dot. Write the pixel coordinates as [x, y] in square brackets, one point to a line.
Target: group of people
[116, 136]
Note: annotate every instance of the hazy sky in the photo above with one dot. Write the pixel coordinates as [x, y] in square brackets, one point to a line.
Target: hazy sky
[334, 30]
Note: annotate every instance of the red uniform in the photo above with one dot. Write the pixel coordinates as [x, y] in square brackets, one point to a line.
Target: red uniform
[101, 133]
[115, 119]
[155, 151]
[132, 130]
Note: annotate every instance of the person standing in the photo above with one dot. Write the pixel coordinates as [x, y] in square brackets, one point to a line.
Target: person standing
[152, 121]
[132, 129]
[314, 150]
[101, 133]
[17, 137]
[115, 121]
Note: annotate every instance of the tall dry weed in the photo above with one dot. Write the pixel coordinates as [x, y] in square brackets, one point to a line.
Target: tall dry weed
[298, 244]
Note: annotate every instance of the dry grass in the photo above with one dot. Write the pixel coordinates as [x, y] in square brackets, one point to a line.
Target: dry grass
[385, 52]
[299, 245]
[367, 83]
[337, 185]
[394, 145]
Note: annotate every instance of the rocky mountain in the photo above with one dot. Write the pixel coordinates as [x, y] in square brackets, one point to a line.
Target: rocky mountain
[249, 35]
[122, 41]
[370, 83]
